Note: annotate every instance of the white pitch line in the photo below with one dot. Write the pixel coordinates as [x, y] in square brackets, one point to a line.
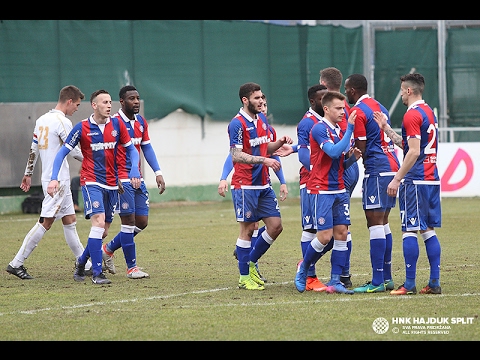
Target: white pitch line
[324, 299]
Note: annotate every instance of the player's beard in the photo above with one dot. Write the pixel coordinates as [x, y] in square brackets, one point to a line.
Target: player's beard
[252, 108]
[319, 110]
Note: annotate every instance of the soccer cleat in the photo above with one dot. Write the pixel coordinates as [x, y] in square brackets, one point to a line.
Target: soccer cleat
[100, 279]
[107, 257]
[249, 284]
[254, 274]
[403, 291]
[338, 288]
[301, 277]
[79, 274]
[431, 290]
[389, 285]
[259, 274]
[136, 273]
[314, 284]
[368, 287]
[346, 281]
[20, 272]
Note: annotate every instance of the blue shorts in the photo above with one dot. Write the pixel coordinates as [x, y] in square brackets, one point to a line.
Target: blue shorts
[134, 201]
[350, 177]
[252, 205]
[420, 206]
[306, 210]
[99, 200]
[330, 210]
[374, 193]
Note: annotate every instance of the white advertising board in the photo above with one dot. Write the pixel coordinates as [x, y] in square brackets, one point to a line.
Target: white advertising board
[457, 166]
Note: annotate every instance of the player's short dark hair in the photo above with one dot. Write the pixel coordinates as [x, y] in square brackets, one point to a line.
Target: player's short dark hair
[96, 93]
[313, 90]
[358, 82]
[125, 89]
[416, 81]
[248, 89]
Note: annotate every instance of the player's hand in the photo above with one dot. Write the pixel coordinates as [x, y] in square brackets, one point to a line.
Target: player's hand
[380, 118]
[355, 151]
[222, 188]
[393, 187]
[52, 188]
[352, 117]
[272, 163]
[160, 184]
[284, 150]
[286, 139]
[283, 192]
[120, 190]
[135, 182]
[26, 183]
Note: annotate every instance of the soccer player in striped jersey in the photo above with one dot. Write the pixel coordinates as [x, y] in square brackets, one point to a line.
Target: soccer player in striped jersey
[99, 137]
[134, 203]
[223, 185]
[417, 183]
[329, 199]
[381, 164]
[332, 78]
[51, 130]
[313, 115]
[252, 195]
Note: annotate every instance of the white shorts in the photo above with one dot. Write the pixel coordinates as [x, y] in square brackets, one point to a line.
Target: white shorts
[61, 204]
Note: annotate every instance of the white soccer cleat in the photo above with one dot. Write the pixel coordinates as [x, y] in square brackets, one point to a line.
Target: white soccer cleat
[136, 273]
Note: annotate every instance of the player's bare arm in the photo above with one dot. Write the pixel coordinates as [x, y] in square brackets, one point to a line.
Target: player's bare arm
[381, 119]
[239, 156]
[274, 146]
[242, 157]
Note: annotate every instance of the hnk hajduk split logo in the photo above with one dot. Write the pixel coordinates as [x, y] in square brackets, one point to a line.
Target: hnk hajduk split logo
[419, 325]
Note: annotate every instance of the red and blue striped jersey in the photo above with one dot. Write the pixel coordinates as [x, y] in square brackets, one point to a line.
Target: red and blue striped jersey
[326, 174]
[303, 136]
[252, 136]
[420, 122]
[99, 149]
[138, 131]
[379, 156]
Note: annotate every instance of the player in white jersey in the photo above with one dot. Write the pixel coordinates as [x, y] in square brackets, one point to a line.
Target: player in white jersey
[51, 130]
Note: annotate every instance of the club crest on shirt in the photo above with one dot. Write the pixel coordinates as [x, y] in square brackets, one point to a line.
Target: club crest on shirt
[114, 133]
